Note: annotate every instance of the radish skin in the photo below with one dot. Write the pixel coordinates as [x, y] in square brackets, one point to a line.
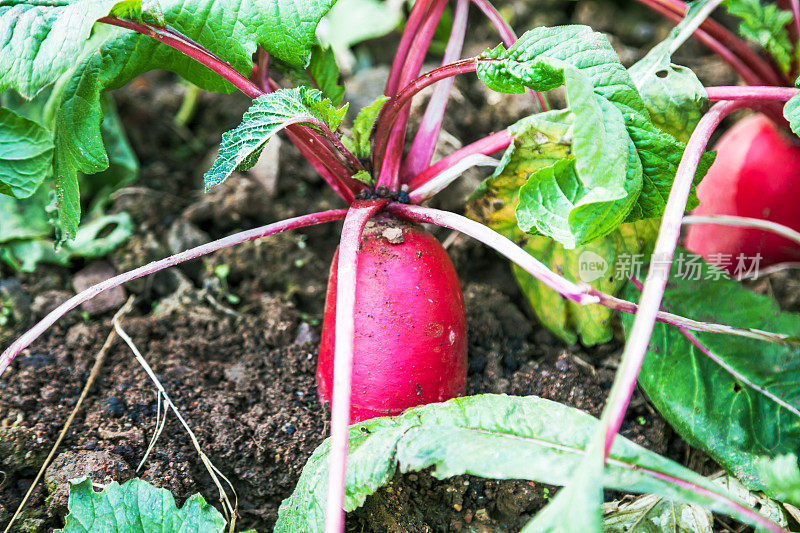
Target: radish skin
[410, 326]
[756, 174]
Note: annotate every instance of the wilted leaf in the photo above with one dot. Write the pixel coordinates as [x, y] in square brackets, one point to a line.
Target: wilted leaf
[539, 141]
[623, 165]
[654, 514]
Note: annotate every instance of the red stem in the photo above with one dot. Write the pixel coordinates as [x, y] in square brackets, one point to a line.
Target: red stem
[751, 93]
[508, 37]
[753, 68]
[498, 242]
[318, 153]
[191, 49]
[389, 174]
[653, 293]
[357, 216]
[424, 144]
[270, 229]
[486, 146]
[416, 17]
[392, 109]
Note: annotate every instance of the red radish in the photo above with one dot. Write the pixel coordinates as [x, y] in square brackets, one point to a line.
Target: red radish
[410, 328]
[756, 174]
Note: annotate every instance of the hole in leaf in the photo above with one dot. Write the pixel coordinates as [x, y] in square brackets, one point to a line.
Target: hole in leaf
[737, 388]
[663, 73]
[107, 230]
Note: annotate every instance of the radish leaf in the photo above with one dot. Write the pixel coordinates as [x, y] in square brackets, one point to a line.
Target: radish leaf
[39, 41]
[136, 506]
[791, 111]
[782, 476]
[493, 436]
[350, 22]
[623, 166]
[322, 73]
[731, 420]
[672, 93]
[765, 24]
[26, 154]
[232, 30]
[654, 514]
[269, 114]
[362, 128]
[540, 141]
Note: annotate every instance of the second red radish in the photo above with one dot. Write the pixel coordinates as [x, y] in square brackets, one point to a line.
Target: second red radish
[756, 174]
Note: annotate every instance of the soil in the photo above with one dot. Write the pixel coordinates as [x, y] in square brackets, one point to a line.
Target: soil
[233, 337]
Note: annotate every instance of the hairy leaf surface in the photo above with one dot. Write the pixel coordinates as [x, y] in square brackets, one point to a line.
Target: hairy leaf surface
[136, 507]
[493, 436]
[268, 115]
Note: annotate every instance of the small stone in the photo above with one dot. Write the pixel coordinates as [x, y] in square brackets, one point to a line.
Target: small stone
[468, 516]
[46, 301]
[481, 515]
[236, 373]
[49, 393]
[457, 507]
[393, 235]
[304, 335]
[106, 301]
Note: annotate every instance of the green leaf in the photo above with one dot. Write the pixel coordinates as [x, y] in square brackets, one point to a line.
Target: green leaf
[24, 219]
[42, 40]
[674, 96]
[26, 230]
[792, 111]
[576, 507]
[322, 73]
[268, 115]
[231, 30]
[26, 154]
[136, 507]
[540, 141]
[362, 128]
[350, 22]
[39, 41]
[493, 436]
[623, 165]
[654, 514]
[782, 477]
[728, 418]
[765, 24]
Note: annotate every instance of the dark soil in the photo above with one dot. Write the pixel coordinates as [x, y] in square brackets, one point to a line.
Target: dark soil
[233, 337]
